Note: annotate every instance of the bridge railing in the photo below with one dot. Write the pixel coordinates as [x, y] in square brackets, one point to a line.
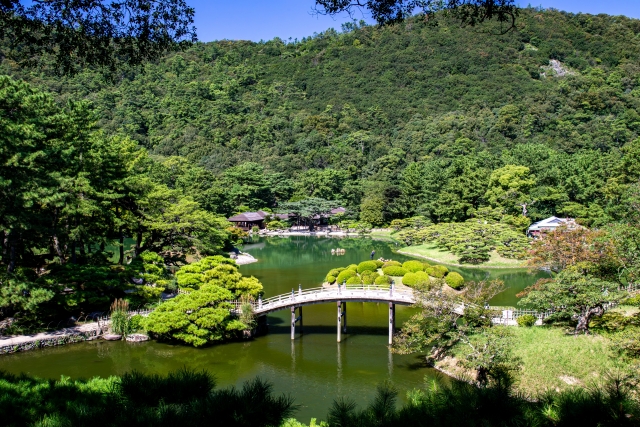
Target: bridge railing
[310, 294]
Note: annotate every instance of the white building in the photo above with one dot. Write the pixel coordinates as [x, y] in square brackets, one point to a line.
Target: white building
[550, 224]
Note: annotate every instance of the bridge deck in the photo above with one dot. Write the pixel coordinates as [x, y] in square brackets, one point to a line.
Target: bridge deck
[350, 293]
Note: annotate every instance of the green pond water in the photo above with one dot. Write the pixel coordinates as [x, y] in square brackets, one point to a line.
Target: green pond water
[314, 368]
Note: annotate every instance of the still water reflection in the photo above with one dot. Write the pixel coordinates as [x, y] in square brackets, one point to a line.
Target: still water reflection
[313, 368]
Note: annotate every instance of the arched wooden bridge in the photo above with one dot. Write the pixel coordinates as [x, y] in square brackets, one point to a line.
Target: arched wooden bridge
[335, 294]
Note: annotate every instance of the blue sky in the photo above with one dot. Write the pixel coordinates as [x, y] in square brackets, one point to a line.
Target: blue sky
[265, 19]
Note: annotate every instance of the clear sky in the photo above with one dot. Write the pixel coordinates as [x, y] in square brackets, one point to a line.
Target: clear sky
[265, 19]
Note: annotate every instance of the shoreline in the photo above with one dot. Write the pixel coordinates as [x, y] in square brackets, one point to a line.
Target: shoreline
[311, 233]
[523, 267]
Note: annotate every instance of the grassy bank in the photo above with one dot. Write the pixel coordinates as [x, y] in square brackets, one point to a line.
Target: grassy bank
[430, 252]
[386, 234]
[554, 360]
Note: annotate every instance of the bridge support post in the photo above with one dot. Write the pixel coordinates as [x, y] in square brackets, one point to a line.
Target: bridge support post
[392, 321]
[300, 317]
[339, 320]
[294, 319]
[344, 317]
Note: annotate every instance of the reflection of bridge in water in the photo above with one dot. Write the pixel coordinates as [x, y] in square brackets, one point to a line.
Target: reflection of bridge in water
[340, 295]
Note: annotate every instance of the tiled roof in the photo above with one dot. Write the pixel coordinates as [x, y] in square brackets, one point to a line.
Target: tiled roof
[550, 222]
[248, 217]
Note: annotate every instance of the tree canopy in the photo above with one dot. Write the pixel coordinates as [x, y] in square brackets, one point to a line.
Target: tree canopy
[94, 33]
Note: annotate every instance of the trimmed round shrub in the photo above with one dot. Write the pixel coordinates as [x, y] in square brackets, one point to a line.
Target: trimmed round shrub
[425, 265]
[369, 278]
[355, 280]
[367, 266]
[334, 272]
[391, 264]
[379, 263]
[353, 267]
[345, 275]
[438, 271]
[526, 320]
[330, 279]
[455, 280]
[413, 266]
[383, 280]
[394, 270]
[417, 279]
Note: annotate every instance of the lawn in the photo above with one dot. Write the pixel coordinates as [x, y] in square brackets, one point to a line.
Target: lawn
[433, 253]
[553, 360]
[385, 234]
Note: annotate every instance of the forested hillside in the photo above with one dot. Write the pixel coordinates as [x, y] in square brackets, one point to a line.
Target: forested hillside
[403, 120]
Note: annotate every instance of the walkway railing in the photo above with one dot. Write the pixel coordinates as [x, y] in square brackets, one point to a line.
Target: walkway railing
[333, 293]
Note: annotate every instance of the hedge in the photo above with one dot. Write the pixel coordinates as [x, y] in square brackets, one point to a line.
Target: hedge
[413, 266]
[355, 280]
[455, 280]
[353, 267]
[383, 280]
[378, 263]
[527, 320]
[391, 264]
[330, 279]
[438, 271]
[367, 266]
[368, 278]
[345, 275]
[335, 271]
[394, 270]
[417, 279]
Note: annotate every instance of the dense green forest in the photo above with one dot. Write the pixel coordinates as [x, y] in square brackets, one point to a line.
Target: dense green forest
[419, 119]
[396, 121]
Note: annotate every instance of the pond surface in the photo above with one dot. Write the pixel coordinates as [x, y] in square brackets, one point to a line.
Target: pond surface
[314, 368]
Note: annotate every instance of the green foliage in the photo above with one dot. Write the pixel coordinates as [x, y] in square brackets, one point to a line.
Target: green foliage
[150, 267]
[346, 275]
[509, 187]
[526, 320]
[473, 240]
[391, 264]
[308, 208]
[277, 225]
[454, 280]
[613, 321]
[413, 266]
[355, 280]
[353, 267]
[289, 126]
[120, 321]
[21, 296]
[367, 266]
[382, 280]
[197, 318]
[330, 279]
[181, 398]
[572, 295]
[379, 263]
[369, 277]
[418, 279]
[220, 271]
[372, 210]
[634, 300]
[437, 271]
[135, 323]
[394, 270]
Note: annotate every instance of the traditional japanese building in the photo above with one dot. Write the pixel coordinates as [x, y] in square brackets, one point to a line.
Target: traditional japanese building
[550, 224]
